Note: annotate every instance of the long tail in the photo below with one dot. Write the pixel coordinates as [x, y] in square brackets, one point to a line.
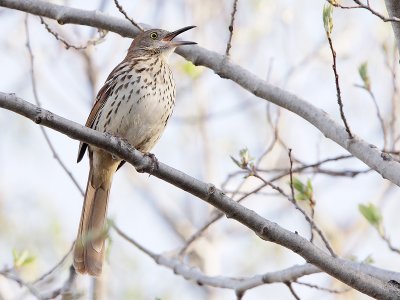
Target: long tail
[89, 245]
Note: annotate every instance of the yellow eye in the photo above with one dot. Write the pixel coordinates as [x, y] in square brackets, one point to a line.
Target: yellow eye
[153, 35]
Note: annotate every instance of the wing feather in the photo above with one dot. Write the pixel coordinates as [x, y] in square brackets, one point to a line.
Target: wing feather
[101, 99]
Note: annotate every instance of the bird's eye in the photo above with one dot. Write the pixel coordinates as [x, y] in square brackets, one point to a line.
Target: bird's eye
[153, 35]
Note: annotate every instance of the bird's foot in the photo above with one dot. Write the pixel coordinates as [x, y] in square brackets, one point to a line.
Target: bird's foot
[154, 163]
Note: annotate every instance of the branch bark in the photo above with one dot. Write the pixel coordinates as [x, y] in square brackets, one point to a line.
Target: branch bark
[369, 154]
[393, 8]
[344, 270]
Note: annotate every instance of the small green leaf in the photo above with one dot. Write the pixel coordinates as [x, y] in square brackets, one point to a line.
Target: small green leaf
[372, 214]
[21, 259]
[244, 155]
[309, 191]
[327, 18]
[298, 185]
[245, 159]
[304, 191]
[300, 197]
[309, 185]
[363, 72]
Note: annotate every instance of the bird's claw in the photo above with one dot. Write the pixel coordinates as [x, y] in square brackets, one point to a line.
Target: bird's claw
[154, 163]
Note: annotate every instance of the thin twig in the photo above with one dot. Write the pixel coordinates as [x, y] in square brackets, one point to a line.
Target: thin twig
[233, 14]
[122, 11]
[338, 92]
[389, 244]
[289, 285]
[60, 263]
[91, 42]
[132, 241]
[239, 295]
[66, 291]
[218, 215]
[36, 97]
[302, 211]
[292, 192]
[314, 286]
[392, 68]
[291, 173]
[316, 170]
[257, 190]
[11, 274]
[364, 6]
[313, 165]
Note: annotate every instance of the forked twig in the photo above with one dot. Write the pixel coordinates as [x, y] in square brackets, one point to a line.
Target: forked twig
[364, 6]
[91, 42]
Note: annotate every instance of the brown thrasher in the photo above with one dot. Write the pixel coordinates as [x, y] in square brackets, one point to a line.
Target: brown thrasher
[135, 104]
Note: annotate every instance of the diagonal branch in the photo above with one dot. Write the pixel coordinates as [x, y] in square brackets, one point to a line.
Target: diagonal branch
[364, 151]
[344, 270]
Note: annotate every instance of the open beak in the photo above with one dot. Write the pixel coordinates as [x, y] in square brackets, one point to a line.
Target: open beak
[170, 36]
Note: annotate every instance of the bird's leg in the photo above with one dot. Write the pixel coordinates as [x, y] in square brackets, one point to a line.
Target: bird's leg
[140, 169]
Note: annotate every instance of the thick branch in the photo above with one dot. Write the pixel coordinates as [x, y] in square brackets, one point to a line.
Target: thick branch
[364, 151]
[393, 8]
[345, 271]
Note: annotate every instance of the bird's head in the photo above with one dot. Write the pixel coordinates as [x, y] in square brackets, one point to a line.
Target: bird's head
[158, 41]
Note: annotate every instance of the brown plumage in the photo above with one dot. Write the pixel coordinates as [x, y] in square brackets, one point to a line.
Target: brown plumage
[134, 103]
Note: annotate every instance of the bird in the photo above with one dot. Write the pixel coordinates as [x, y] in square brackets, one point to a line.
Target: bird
[134, 104]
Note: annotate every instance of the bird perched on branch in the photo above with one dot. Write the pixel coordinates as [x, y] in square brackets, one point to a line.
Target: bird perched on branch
[135, 104]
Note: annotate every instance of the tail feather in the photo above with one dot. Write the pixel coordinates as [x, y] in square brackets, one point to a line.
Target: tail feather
[89, 247]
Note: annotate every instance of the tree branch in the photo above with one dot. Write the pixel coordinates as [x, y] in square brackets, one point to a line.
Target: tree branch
[393, 8]
[240, 284]
[344, 270]
[369, 154]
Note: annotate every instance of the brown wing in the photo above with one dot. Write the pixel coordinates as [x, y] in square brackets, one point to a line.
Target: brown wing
[101, 99]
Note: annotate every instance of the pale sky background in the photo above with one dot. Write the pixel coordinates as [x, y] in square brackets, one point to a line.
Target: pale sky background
[40, 207]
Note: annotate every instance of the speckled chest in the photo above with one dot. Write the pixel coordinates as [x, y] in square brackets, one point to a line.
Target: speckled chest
[140, 102]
